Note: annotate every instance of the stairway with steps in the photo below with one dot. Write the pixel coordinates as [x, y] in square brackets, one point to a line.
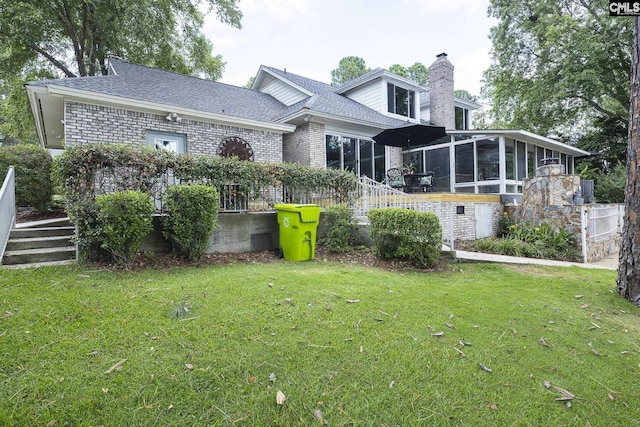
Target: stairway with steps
[40, 243]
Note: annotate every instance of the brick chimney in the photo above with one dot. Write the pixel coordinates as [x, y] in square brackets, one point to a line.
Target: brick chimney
[441, 109]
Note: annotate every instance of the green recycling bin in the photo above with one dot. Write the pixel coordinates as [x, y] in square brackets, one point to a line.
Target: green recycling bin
[298, 226]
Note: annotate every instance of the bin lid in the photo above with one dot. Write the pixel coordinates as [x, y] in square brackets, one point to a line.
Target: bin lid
[308, 212]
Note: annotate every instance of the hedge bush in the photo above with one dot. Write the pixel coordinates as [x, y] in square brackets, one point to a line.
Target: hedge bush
[192, 217]
[342, 232]
[32, 164]
[124, 218]
[406, 234]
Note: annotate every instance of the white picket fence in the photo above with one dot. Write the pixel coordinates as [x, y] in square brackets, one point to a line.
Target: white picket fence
[605, 222]
[7, 209]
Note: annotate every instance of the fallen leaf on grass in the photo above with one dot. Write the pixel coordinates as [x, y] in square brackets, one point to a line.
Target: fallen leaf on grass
[596, 352]
[189, 366]
[547, 384]
[391, 384]
[449, 325]
[485, 368]
[583, 306]
[578, 296]
[611, 396]
[51, 423]
[353, 301]
[116, 367]
[459, 351]
[493, 407]
[438, 334]
[252, 380]
[543, 342]
[280, 398]
[272, 377]
[383, 313]
[319, 417]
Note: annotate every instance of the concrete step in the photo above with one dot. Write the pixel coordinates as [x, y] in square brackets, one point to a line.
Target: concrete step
[25, 233]
[30, 256]
[38, 264]
[54, 222]
[39, 242]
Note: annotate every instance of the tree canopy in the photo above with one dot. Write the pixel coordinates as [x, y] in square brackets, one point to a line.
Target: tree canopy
[418, 72]
[75, 37]
[561, 68]
[349, 68]
[71, 38]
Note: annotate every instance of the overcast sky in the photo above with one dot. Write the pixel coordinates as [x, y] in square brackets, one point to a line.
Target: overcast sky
[309, 37]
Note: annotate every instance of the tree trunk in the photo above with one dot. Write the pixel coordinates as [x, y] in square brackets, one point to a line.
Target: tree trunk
[629, 263]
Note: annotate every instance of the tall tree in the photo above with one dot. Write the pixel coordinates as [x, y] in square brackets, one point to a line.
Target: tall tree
[560, 67]
[349, 68]
[398, 70]
[75, 37]
[629, 266]
[40, 39]
[419, 73]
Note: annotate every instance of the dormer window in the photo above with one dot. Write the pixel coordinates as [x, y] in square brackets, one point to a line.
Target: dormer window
[401, 101]
[462, 118]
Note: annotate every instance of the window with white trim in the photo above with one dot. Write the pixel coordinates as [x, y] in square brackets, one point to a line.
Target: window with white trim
[174, 142]
[401, 101]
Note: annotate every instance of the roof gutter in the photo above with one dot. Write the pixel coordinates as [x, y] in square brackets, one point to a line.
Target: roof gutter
[308, 112]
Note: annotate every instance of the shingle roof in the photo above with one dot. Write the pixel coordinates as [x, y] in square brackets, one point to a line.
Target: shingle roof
[326, 100]
[143, 83]
[153, 85]
[311, 85]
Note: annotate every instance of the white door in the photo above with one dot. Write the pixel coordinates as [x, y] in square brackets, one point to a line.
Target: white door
[484, 220]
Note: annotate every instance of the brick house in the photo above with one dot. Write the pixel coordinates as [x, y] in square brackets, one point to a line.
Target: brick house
[287, 117]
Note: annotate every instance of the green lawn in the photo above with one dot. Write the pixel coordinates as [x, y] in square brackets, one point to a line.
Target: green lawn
[353, 345]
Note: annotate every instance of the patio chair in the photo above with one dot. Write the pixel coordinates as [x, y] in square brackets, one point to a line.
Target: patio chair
[394, 178]
[426, 182]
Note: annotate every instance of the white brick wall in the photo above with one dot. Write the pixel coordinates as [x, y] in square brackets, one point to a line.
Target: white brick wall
[306, 145]
[85, 123]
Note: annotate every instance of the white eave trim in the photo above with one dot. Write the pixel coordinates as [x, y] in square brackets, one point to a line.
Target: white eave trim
[129, 103]
[312, 113]
[285, 80]
[35, 111]
[388, 76]
[523, 135]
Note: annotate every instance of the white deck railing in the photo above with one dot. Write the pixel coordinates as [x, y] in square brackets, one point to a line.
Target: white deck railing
[7, 209]
[374, 195]
[605, 222]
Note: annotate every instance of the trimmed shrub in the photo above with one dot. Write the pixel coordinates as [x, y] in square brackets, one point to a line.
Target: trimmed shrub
[193, 215]
[406, 234]
[124, 219]
[32, 164]
[342, 232]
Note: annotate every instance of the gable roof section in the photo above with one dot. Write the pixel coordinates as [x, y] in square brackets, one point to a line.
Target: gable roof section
[374, 74]
[326, 102]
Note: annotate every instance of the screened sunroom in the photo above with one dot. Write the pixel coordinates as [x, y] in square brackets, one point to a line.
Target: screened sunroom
[487, 161]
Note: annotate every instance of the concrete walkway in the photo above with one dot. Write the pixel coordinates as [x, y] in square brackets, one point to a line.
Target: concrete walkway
[610, 263]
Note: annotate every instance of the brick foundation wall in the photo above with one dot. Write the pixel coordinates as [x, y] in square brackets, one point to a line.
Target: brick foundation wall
[85, 123]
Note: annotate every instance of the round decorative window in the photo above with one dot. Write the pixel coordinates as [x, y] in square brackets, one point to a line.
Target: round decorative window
[235, 146]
